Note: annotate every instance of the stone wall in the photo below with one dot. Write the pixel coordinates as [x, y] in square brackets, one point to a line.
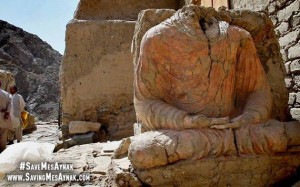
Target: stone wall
[285, 16]
[97, 69]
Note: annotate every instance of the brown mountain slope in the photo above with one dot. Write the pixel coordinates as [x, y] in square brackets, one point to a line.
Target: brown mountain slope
[35, 65]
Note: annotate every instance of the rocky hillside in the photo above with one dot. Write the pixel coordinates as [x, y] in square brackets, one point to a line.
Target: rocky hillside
[35, 65]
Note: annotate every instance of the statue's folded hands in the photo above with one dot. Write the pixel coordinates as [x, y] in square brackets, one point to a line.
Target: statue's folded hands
[201, 121]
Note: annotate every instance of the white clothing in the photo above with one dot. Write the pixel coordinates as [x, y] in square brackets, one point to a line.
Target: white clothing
[5, 105]
[17, 106]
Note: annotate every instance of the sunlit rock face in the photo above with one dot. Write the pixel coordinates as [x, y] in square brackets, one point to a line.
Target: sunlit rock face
[35, 65]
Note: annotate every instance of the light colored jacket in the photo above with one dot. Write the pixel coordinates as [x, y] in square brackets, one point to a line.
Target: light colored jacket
[4, 100]
[18, 104]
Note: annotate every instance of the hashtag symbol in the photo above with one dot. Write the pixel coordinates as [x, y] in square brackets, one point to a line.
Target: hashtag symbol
[22, 166]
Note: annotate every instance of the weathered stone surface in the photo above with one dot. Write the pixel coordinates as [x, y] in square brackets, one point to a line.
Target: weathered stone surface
[127, 9]
[289, 38]
[81, 127]
[296, 20]
[293, 52]
[122, 150]
[284, 55]
[102, 164]
[228, 171]
[105, 61]
[288, 82]
[146, 20]
[295, 112]
[250, 5]
[287, 67]
[120, 174]
[35, 66]
[282, 28]
[298, 97]
[168, 100]
[295, 66]
[285, 14]
[260, 28]
[79, 139]
[110, 147]
[296, 81]
[292, 98]
[281, 13]
[7, 80]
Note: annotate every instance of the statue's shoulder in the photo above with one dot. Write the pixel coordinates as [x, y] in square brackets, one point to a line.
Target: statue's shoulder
[158, 32]
[241, 32]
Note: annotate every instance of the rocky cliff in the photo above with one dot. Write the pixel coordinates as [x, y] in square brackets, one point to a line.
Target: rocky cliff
[35, 65]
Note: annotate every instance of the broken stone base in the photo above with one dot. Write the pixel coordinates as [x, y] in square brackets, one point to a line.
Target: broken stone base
[222, 171]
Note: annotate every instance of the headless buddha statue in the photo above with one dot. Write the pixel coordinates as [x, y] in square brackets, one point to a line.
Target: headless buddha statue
[201, 91]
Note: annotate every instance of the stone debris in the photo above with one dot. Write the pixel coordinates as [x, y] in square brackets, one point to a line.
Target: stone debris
[81, 127]
[86, 158]
[109, 148]
[102, 163]
[79, 139]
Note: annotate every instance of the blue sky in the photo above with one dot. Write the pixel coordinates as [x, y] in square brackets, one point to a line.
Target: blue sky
[45, 18]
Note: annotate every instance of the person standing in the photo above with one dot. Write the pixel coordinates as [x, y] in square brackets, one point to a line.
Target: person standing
[17, 107]
[5, 123]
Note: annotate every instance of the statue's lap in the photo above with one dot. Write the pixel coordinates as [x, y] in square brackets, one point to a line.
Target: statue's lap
[162, 147]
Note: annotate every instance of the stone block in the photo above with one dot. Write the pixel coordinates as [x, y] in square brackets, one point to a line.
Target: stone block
[97, 75]
[272, 8]
[119, 10]
[292, 98]
[282, 28]
[288, 82]
[120, 174]
[78, 140]
[297, 96]
[222, 171]
[289, 38]
[295, 112]
[284, 55]
[296, 20]
[249, 4]
[102, 163]
[295, 66]
[296, 80]
[293, 52]
[83, 138]
[287, 66]
[274, 20]
[285, 14]
[81, 127]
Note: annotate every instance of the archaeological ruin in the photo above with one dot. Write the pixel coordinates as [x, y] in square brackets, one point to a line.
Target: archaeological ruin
[108, 81]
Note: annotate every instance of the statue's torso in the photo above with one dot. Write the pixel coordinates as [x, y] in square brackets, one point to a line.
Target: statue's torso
[199, 77]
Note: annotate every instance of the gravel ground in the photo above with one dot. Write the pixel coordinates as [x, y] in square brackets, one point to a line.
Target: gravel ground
[90, 159]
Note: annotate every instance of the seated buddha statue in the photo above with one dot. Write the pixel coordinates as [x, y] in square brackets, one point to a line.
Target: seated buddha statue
[200, 90]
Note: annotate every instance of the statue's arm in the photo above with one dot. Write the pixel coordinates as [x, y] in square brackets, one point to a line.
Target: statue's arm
[253, 93]
[157, 114]
[252, 84]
